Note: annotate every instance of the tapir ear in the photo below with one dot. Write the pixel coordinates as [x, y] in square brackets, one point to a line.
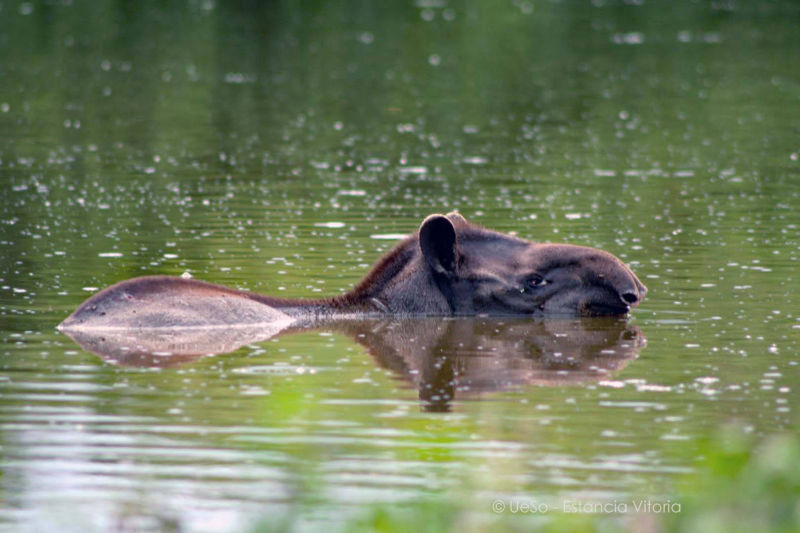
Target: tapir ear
[437, 240]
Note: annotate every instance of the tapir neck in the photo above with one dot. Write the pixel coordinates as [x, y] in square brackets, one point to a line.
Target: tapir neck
[344, 304]
[400, 283]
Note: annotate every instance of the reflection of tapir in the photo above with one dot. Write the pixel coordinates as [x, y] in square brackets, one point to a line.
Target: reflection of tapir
[443, 359]
[448, 268]
[467, 356]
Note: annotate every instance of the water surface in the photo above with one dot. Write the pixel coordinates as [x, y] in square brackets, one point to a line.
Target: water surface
[282, 148]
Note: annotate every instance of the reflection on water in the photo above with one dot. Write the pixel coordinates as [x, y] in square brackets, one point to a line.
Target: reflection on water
[457, 358]
[445, 359]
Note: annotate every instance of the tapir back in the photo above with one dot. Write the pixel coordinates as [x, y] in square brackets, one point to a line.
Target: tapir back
[169, 302]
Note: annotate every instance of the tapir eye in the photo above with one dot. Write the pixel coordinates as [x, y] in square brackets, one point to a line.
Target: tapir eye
[535, 281]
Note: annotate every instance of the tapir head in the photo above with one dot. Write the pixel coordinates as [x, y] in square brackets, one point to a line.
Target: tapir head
[480, 271]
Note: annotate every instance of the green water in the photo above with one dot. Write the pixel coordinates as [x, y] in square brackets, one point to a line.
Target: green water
[281, 147]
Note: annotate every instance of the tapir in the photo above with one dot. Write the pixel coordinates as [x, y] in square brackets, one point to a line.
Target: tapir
[449, 267]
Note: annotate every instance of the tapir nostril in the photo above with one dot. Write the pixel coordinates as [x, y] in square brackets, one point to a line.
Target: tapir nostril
[630, 297]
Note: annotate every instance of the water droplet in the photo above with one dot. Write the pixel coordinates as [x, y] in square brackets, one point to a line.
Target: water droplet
[333, 225]
[632, 38]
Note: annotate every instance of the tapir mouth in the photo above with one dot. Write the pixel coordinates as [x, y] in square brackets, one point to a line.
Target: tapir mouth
[606, 302]
[603, 309]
